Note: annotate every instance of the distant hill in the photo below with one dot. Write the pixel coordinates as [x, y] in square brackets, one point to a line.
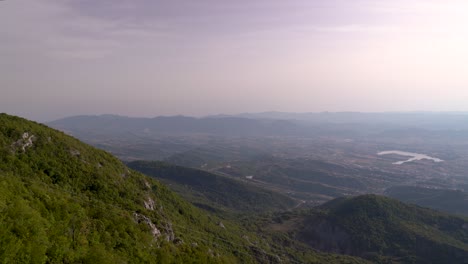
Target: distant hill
[304, 178]
[427, 120]
[213, 191]
[162, 138]
[450, 201]
[62, 201]
[380, 229]
[112, 125]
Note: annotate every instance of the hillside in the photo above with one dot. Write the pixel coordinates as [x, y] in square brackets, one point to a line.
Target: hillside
[305, 179]
[450, 201]
[211, 191]
[380, 229]
[62, 201]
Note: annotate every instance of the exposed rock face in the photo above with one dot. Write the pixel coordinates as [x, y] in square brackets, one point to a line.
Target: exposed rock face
[167, 228]
[139, 218]
[147, 185]
[75, 152]
[149, 204]
[169, 232]
[24, 142]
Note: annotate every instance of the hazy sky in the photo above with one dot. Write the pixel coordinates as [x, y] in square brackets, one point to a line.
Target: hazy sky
[199, 57]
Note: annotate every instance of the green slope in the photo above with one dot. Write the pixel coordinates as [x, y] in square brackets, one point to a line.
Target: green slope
[213, 191]
[380, 229]
[65, 202]
[62, 201]
[450, 201]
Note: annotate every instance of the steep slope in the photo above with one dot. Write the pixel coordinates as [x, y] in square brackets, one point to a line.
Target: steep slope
[380, 229]
[62, 201]
[213, 191]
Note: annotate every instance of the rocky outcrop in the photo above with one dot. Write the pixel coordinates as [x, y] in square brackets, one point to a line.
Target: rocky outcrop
[26, 141]
[75, 152]
[149, 204]
[139, 218]
[147, 185]
[170, 236]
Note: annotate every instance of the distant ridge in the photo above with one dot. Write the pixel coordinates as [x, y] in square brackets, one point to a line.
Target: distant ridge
[264, 124]
[178, 125]
[215, 190]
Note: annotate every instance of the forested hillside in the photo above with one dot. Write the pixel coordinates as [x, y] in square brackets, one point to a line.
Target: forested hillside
[62, 201]
[380, 229]
[212, 191]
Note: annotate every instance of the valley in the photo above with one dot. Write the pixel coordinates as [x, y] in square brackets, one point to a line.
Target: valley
[233, 132]
[63, 201]
[413, 156]
[311, 161]
[241, 200]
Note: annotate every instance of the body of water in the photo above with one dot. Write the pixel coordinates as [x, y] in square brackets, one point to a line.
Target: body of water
[413, 156]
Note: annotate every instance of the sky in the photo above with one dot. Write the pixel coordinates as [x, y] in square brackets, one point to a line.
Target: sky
[148, 58]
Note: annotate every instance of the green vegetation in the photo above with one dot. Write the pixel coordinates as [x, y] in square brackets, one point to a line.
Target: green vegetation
[450, 201]
[214, 192]
[65, 202]
[306, 179]
[380, 229]
[62, 201]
